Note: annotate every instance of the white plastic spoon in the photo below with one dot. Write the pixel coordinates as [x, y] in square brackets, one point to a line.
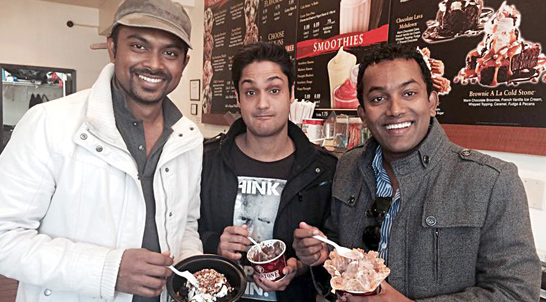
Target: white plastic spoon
[186, 275]
[255, 243]
[342, 251]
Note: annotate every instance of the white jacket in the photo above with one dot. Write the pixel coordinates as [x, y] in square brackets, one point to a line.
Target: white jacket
[71, 202]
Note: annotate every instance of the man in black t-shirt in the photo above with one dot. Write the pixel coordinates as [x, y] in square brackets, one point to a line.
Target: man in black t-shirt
[264, 177]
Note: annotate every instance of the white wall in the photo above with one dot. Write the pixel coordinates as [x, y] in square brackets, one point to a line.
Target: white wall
[35, 33]
[531, 166]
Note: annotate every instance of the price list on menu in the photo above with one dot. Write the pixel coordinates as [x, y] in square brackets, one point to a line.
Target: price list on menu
[278, 18]
[317, 21]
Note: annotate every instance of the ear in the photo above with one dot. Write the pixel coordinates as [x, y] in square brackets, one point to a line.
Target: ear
[433, 103]
[362, 114]
[110, 45]
[292, 95]
[237, 96]
[187, 60]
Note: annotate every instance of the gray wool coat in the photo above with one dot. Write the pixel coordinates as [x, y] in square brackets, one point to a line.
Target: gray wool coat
[463, 231]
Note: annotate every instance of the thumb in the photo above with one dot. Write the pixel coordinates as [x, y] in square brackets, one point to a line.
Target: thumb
[304, 225]
[291, 266]
[168, 254]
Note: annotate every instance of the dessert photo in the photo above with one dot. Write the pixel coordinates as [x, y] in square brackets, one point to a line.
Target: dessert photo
[456, 18]
[207, 99]
[251, 13]
[340, 70]
[437, 68]
[503, 56]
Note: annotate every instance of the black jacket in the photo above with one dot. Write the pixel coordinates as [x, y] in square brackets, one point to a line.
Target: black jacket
[306, 196]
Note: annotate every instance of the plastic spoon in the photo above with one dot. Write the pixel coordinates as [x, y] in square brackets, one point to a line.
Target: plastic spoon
[186, 275]
[342, 251]
[253, 241]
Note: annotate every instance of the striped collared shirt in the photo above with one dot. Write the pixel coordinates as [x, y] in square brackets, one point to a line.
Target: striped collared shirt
[384, 189]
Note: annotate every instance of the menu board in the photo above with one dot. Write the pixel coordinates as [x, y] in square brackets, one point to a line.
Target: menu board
[486, 58]
[325, 37]
[488, 65]
[228, 25]
[277, 22]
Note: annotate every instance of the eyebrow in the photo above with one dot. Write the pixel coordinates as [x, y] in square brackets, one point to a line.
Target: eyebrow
[382, 88]
[270, 79]
[144, 40]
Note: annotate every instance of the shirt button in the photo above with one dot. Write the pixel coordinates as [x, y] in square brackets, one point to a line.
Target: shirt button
[430, 221]
[140, 147]
[180, 135]
[99, 148]
[135, 124]
[191, 128]
[47, 292]
[317, 170]
[170, 214]
[167, 170]
[387, 216]
[384, 245]
[351, 200]
[83, 136]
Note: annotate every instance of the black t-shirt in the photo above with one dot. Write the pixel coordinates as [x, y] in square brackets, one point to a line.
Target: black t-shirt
[260, 186]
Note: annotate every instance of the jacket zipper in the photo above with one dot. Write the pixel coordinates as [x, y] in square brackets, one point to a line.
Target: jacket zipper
[437, 255]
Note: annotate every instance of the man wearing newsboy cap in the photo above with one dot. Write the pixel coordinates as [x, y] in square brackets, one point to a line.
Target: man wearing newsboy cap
[99, 190]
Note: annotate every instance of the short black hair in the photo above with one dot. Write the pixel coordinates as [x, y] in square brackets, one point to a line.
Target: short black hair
[391, 52]
[258, 52]
[115, 33]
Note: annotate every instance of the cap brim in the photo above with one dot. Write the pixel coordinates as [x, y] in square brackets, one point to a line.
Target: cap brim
[96, 46]
[145, 21]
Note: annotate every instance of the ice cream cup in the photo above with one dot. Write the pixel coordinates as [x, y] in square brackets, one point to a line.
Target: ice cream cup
[270, 269]
[340, 293]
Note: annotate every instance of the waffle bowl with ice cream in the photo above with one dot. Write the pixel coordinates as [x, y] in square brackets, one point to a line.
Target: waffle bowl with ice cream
[359, 275]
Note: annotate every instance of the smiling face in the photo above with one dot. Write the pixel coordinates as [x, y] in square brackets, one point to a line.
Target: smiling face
[397, 108]
[264, 99]
[148, 63]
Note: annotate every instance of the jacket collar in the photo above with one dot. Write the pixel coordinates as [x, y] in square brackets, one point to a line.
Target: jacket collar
[305, 153]
[100, 119]
[100, 111]
[424, 158]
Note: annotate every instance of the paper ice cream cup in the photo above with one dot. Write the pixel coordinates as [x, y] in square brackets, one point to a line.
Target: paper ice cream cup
[272, 268]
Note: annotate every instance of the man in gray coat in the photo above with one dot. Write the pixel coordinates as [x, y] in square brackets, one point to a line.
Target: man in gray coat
[452, 224]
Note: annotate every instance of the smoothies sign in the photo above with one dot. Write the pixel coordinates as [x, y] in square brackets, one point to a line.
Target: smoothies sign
[331, 35]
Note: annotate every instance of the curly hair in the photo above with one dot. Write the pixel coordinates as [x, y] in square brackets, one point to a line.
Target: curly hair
[259, 52]
[382, 52]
